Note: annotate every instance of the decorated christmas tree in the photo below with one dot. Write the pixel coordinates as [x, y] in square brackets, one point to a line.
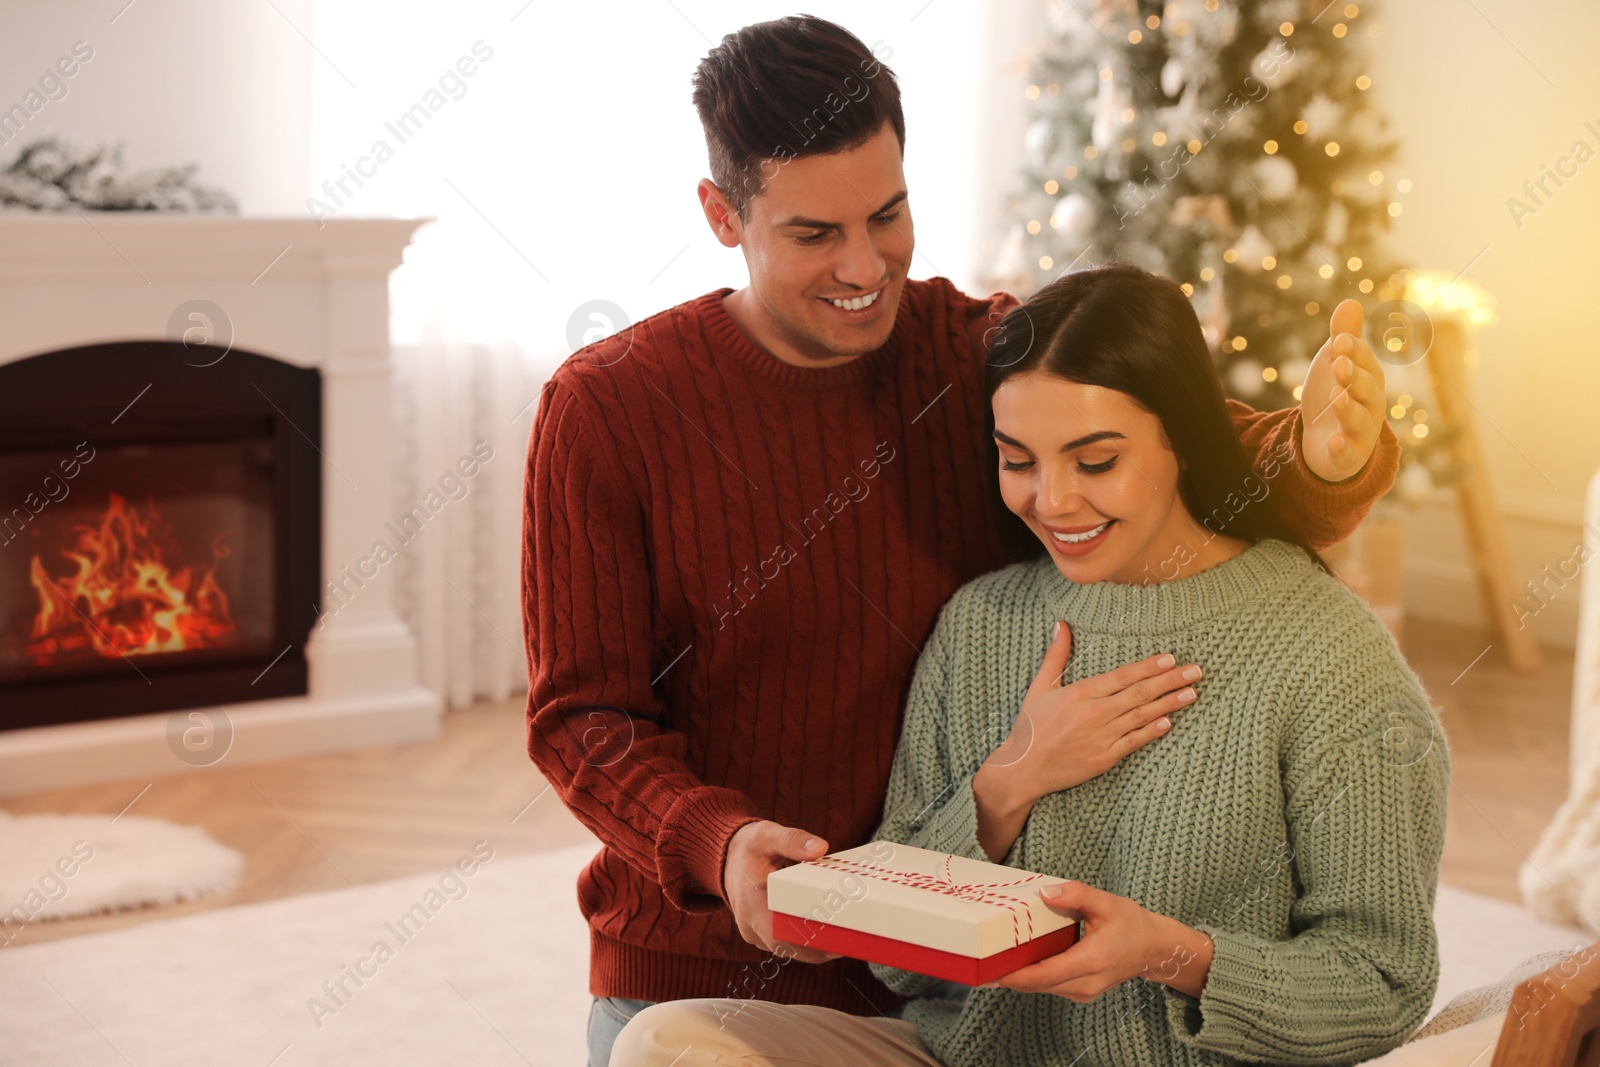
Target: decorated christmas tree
[1228, 144]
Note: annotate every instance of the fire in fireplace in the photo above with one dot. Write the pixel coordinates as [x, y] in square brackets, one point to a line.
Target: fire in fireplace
[160, 535]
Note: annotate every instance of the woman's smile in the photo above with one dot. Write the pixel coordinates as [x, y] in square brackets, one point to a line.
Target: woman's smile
[1077, 541]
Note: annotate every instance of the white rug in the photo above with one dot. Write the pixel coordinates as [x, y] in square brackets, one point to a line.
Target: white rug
[495, 974]
[55, 866]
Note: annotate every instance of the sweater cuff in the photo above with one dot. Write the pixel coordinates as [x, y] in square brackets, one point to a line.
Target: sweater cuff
[1357, 493]
[1227, 1015]
[953, 826]
[693, 843]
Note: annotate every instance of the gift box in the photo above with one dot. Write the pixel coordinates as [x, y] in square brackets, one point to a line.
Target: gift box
[945, 916]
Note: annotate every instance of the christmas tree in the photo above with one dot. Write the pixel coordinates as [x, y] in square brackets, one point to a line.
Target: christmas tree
[1230, 145]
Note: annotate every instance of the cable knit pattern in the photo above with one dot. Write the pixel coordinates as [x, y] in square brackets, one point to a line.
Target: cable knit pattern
[1295, 813]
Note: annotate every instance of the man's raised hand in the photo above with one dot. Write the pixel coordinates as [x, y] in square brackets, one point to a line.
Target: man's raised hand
[1342, 404]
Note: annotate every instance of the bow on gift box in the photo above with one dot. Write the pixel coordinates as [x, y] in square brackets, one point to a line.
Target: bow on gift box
[945, 884]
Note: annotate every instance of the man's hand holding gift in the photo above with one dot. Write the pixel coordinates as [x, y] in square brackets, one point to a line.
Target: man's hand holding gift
[755, 851]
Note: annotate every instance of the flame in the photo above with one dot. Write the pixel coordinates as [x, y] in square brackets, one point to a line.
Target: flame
[123, 601]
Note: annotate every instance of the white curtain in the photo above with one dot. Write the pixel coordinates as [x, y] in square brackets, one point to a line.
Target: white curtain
[558, 150]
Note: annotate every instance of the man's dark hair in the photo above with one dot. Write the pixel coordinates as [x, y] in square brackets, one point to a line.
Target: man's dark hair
[792, 87]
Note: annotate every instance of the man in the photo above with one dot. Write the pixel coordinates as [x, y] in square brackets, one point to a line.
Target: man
[743, 515]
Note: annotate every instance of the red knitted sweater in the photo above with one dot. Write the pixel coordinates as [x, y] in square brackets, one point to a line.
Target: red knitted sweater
[729, 566]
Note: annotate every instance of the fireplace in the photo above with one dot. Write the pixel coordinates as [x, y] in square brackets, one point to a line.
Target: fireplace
[196, 497]
[159, 546]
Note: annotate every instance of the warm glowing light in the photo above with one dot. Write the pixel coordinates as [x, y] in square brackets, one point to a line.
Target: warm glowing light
[1240, 343]
[1045, 262]
[1194, 147]
[1419, 431]
[1332, 148]
[1158, 138]
[1284, 281]
[1394, 210]
[1365, 285]
[1127, 114]
[1134, 36]
[1269, 374]
[1206, 274]
[1188, 290]
[1153, 22]
[1052, 187]
[1270, 148]
[1031, 92]
[1128, 144]
[1268, 262]
[1313, 307]
[1440, 292]
[1405, 400]
[1301, 127]
[1376, 177]
[1033, 226]
[1397, 412]
[1287, 29]
[1090, 152]
[1355, 262]
[1404, 185]
[1298, 390]
[1229, 256]
[1363, 82]
[1069, 173]
[1351, 11]
[1105, 74]
[1326, 270]
[1340, 29]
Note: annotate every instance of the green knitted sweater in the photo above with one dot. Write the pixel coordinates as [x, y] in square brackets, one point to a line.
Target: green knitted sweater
[1294, 812]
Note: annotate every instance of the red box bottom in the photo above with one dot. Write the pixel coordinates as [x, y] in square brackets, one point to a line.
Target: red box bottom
[919, 959]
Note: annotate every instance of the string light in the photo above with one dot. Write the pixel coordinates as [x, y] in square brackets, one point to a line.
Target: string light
[1031, 92]
[1052, 187]
[1128, 144]
[1188, 290]
[1394, 210]
[1270, 148]
[1326, 270]
[1340, 29]
[1439, 291]
[1420, 415]
[1045, 262]
[1158, 138]
[1300, 127]
[1355, 262]
[1404, 185]
[1397, 412]
[1268, 262]
[1069, 173]
[1405, 401]
[1105, 74]
[1363, 83]
[1033, 226]
[1351, 11]
[1090, 152]
[1269, 374]
[1127, 114]
[1298, 390]
[1212, 5]
[1230, 256]
[1313, 307]
[1287, 29]
[1284, 281]
[1332, 148]
[1154, 22]
[1194, 147]
[1419, 431]
[1365, 285]
[1134, 36]
[1053, 89]
[1240, 343]
[1206, 274]
[1376, 177]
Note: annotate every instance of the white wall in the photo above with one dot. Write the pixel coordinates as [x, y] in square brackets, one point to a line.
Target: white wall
[1480, 96]
[224, 85]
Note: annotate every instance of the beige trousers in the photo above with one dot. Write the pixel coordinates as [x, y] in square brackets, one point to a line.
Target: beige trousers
[752, 1033]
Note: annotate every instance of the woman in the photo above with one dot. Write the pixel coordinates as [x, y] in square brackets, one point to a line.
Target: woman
[1257, 886]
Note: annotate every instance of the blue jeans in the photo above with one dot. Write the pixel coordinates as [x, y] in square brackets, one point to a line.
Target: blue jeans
[607, 1017]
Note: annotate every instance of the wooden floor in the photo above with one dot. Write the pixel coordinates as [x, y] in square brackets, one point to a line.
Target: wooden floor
[330, 821]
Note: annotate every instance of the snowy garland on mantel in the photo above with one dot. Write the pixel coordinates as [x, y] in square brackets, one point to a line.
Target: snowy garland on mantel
[53, 175]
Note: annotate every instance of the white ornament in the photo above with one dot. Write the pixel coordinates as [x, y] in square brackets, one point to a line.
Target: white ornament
[1107, 126]
[1322, 117]
[1074, 215]
[1040, 143]
[1275, 177]
[1274, 66]
[1172, 76]
[1245, 378]
[1252, 247]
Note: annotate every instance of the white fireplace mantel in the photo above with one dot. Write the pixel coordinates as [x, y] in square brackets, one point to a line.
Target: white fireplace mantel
[312, 296]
